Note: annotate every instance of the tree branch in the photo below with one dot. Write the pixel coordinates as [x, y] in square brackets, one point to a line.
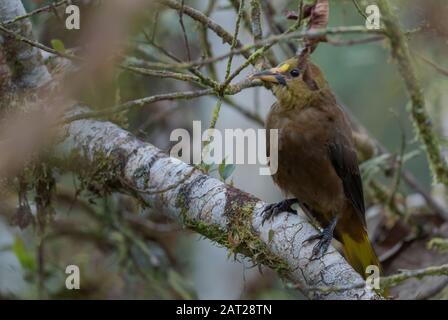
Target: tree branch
[27, 69]
[203, 19]
[222, 213]
[404, 275]
[47, 8]
[420, 117]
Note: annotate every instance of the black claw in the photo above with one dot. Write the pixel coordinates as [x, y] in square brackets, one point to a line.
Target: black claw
[321, 247]
[273, 209]
[324, 237]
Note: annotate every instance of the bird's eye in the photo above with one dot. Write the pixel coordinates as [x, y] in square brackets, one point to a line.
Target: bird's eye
[294, 73]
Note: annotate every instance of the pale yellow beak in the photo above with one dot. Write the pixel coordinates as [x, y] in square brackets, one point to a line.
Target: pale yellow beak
[273, 75]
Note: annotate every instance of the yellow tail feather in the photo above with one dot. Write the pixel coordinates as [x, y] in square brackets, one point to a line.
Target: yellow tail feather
[359, 253]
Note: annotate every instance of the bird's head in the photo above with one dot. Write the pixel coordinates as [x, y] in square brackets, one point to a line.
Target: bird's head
[294, 83]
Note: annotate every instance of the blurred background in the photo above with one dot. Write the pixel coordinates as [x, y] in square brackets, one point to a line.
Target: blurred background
[121, 257]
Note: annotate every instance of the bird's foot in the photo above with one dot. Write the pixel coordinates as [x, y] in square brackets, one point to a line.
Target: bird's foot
[273, 209]
[324, 238]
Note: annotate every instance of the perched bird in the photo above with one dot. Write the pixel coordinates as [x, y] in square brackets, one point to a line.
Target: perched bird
[317, 163]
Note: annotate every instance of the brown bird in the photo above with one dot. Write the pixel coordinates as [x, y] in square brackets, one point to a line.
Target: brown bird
[317, 162]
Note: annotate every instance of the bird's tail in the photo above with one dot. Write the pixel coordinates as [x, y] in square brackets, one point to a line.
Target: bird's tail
[360, 254]
[359, 251]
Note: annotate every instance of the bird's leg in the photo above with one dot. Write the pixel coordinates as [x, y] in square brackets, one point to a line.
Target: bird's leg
[273, 209]
[324, 237]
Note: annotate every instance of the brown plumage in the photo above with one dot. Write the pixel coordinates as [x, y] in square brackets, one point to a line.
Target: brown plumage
[317, 162]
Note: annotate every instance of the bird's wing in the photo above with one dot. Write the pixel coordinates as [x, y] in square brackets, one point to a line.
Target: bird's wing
[270, 124]
[344, 160]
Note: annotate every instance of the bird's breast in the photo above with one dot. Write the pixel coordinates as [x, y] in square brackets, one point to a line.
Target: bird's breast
[304, 168]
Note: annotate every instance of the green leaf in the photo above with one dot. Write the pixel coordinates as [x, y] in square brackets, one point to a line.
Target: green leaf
[26, 258]
[371, 167]
[180, 285]
[270, 235]
[226, 170]
[411, 154]
[58, 45]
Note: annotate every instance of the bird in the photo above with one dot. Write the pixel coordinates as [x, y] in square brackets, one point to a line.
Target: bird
[317, 160]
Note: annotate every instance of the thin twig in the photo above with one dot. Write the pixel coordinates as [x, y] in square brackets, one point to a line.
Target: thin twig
[164, 74]
[276, 28]
[351, 42]
[359, 9]
[234, 43]
[390, 281]
[155, 23]
[47, 8]
[398, 163]
[257, 54]
[396, 279]
[203, 80]
[255, 14]
[203, 19]
[140, 103]
[37, 44]
[272, 40]
[182, 95]
[246, 20]
[184, 32]
[205, 43]
[257, 32]
[217, 108]
[434, 65]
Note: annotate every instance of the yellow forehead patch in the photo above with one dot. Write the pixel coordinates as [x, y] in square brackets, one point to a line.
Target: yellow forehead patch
[284, 67]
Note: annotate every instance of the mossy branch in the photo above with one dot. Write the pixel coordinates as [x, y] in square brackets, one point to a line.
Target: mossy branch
[404, 275]
[220, 212]
[420, 117]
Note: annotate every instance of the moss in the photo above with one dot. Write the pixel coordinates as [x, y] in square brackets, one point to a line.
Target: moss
[242, 236]
[99, 177]
[211, 232]
[37, 179]
[44, 185]
[143, 173]
[239, 236]
[438, 244]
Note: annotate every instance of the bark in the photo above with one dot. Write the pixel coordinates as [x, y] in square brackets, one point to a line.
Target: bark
[25, 62]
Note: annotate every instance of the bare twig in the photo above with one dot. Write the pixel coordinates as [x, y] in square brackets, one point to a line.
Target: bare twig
[275, 27]
[30, 14]
[398, 163]
[257, 32]
[229, 61]
[164, 74]
[359, 9]
[184, 32]
[203, 19]
[185, 95]
[257, 54]
[37, 44]
[140, 103]
[269, 41]
[205, 43]
[438, 68]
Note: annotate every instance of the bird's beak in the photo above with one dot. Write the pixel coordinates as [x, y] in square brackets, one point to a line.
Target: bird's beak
[273, 75]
